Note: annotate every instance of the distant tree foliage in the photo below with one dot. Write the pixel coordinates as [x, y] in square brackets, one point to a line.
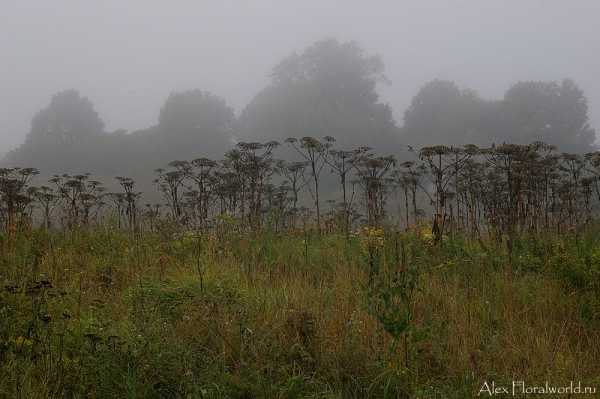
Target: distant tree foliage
[68, 136]
[328, 90]
[194, 123]
[60, 134]
[441, 113]
[548, 111]
[339, 70]
[69, 116]
[194, 112]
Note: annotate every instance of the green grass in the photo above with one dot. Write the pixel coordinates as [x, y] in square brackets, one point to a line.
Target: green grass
[103, 314]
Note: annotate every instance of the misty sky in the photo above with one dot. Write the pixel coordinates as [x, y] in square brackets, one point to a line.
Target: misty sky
[127, 56]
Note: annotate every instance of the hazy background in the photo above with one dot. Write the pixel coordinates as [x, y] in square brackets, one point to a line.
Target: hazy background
[127, 56]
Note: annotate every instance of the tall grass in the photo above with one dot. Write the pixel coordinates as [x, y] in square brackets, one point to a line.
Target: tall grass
[102, 313]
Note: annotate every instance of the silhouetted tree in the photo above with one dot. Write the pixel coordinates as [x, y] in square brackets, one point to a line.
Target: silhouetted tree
[328, 90]
[69, 116]
[193, 124]
[442, 114]
[547, 111]
[58, 132]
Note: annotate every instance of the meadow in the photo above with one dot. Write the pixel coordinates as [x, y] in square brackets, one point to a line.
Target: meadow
[107, 312]
[466, 273]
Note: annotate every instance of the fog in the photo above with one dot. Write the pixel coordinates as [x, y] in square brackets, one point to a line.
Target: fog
[127, 56]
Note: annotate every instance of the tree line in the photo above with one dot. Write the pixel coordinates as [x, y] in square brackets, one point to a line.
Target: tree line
[328, 90]
[275, 171]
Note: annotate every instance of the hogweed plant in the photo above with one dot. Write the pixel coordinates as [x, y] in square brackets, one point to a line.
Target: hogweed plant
[314, 152]
[15, 198]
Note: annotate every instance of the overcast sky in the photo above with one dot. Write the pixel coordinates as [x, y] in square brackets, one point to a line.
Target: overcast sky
[126, 56]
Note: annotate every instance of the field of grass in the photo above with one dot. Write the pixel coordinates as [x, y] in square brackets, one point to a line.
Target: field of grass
[104, 313]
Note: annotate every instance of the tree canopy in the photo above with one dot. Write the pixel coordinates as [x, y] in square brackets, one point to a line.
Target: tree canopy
[328, 90]
[441, 113]
[60, 133]
[69, 116]
[194, 123]
[338, 70]
[546, 111]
